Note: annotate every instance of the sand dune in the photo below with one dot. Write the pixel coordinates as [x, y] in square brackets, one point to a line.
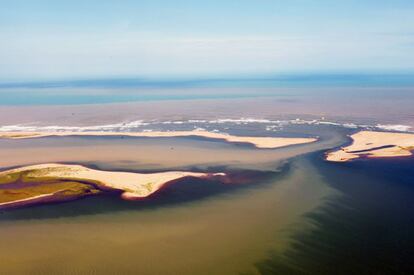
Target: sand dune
[374, 145]
[259, 142]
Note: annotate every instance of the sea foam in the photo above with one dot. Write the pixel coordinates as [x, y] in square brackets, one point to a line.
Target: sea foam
[141, 125]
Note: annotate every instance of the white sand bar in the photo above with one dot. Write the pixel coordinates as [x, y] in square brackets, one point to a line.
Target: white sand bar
[259, 142]
[373, 144]
[134, 185]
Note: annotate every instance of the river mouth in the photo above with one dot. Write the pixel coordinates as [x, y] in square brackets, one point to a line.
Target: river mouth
[291, 212]
[193, 226]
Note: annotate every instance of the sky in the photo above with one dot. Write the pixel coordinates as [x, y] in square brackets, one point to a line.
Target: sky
[78, 39]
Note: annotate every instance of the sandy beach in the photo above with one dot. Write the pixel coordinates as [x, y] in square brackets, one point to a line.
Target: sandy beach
[373, 144]
[259, 142]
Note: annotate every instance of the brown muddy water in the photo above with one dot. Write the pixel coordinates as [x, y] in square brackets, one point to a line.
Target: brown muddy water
[225, 233]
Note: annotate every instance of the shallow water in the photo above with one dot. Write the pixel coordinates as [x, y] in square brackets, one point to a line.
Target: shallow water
[138, 154]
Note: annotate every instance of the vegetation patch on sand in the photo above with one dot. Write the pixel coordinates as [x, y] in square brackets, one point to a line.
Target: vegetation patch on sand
[373, 144]
[55, 189]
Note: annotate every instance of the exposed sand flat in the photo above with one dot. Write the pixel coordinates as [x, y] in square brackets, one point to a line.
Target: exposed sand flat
[134, 185]
[259, 142]
[375, 144]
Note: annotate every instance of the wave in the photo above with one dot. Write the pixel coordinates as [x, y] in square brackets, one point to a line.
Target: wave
[398, 127]
[141, 125]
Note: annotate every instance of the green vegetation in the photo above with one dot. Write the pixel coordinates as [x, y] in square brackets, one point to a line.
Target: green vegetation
[148, 186]
[20, 185]
[9, 178]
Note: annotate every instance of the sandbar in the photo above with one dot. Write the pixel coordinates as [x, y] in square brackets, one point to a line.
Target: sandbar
[133, 185]
[259, 142]
[373, 144]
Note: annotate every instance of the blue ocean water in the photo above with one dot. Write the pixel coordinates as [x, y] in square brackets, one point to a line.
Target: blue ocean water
[96, 91]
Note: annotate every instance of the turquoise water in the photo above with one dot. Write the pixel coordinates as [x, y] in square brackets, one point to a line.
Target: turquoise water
[95, 91]
[54, 96]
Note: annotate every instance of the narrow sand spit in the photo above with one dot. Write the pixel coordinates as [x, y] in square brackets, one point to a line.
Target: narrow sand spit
[374, 145]
[134, 185]
[259, 142]
[29, 199]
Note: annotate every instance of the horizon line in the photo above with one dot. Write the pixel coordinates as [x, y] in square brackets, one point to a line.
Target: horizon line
[276, 79]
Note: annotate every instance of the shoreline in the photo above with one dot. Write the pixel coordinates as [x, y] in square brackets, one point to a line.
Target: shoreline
[30, 200]
[372, 144]
[258, 142]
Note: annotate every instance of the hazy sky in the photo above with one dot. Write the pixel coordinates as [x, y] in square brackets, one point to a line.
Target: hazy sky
[97, 38]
